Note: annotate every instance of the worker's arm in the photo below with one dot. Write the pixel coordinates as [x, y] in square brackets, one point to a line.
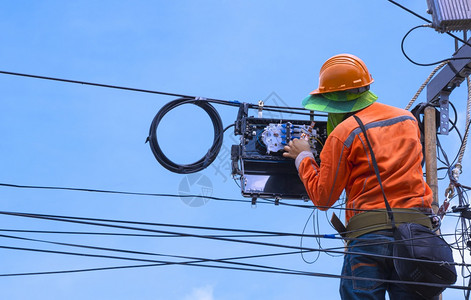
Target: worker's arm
[323, 184]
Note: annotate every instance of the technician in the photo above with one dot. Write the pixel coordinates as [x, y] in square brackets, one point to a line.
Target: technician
[344, 90]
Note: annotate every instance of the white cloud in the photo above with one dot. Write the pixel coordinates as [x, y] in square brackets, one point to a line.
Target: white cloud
[201, 293]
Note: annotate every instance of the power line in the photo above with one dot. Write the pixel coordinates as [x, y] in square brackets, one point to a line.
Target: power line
[93, 84]
[194, 259]
[132, 234]
[259, 268]
[248, 231]
[426, 20]
[81, 221]
[410, 11]
[218, 101]
[263, 201]
[71, 219]
[323, 275]
[179, 234]
[274, 108]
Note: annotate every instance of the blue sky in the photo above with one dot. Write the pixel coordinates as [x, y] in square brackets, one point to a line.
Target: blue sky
[59, 134]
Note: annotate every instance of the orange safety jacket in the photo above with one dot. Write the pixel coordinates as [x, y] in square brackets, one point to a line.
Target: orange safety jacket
[346, 163]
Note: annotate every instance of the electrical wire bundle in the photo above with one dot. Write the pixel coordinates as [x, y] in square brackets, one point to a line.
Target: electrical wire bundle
[154, 259]
[212, 152]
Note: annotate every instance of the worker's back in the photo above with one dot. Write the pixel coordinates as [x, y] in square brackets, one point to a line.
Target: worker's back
[395, 138]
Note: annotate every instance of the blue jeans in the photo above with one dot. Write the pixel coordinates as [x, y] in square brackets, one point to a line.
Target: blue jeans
[372, 267]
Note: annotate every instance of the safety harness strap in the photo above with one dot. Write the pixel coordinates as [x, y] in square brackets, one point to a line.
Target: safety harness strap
[375, 166]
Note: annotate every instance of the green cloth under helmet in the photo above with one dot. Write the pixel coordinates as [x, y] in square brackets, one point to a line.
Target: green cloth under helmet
[339, 102]
[333, 120]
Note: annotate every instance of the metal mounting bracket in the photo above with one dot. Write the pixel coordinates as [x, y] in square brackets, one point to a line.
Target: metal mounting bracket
[444, 113]
[260, 108]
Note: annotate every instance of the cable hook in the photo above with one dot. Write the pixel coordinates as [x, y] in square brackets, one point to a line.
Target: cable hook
[260, 108]
[449, 192]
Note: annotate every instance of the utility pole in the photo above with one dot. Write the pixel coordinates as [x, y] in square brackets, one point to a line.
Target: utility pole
[438, 92]
[430, 131]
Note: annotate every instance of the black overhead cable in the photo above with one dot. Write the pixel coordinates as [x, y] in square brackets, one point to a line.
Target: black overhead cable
[316, 236]
[65, 218]
[193, 259]
[261, 200]
[161, 262]
[236, 103]
[93, 84]
[426, 20]
[410, 11]
[425, 64]
[248, 231]
[117, 192]
[322, 275]
[78, 270]
[81, 221]
[253, 268]
[132, 234]
[427, 25]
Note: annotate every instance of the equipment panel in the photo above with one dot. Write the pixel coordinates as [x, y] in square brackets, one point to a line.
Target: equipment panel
[259, 161]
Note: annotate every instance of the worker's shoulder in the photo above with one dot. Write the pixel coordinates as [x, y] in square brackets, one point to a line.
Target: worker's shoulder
[379, 114]
[380, 111]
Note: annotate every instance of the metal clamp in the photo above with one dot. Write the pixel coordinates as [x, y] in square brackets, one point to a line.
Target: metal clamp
[444, 113]
[457, 170]
[449, 192]
[260, 108]
[277, 200]
[254, 201]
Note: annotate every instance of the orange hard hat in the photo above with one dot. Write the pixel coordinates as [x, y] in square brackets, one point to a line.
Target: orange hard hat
[342, 72]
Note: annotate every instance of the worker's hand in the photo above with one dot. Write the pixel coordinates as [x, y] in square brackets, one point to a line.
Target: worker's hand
[295, 147]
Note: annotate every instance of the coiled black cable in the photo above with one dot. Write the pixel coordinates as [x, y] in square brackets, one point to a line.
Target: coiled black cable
[427, 64]
[212, 152]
